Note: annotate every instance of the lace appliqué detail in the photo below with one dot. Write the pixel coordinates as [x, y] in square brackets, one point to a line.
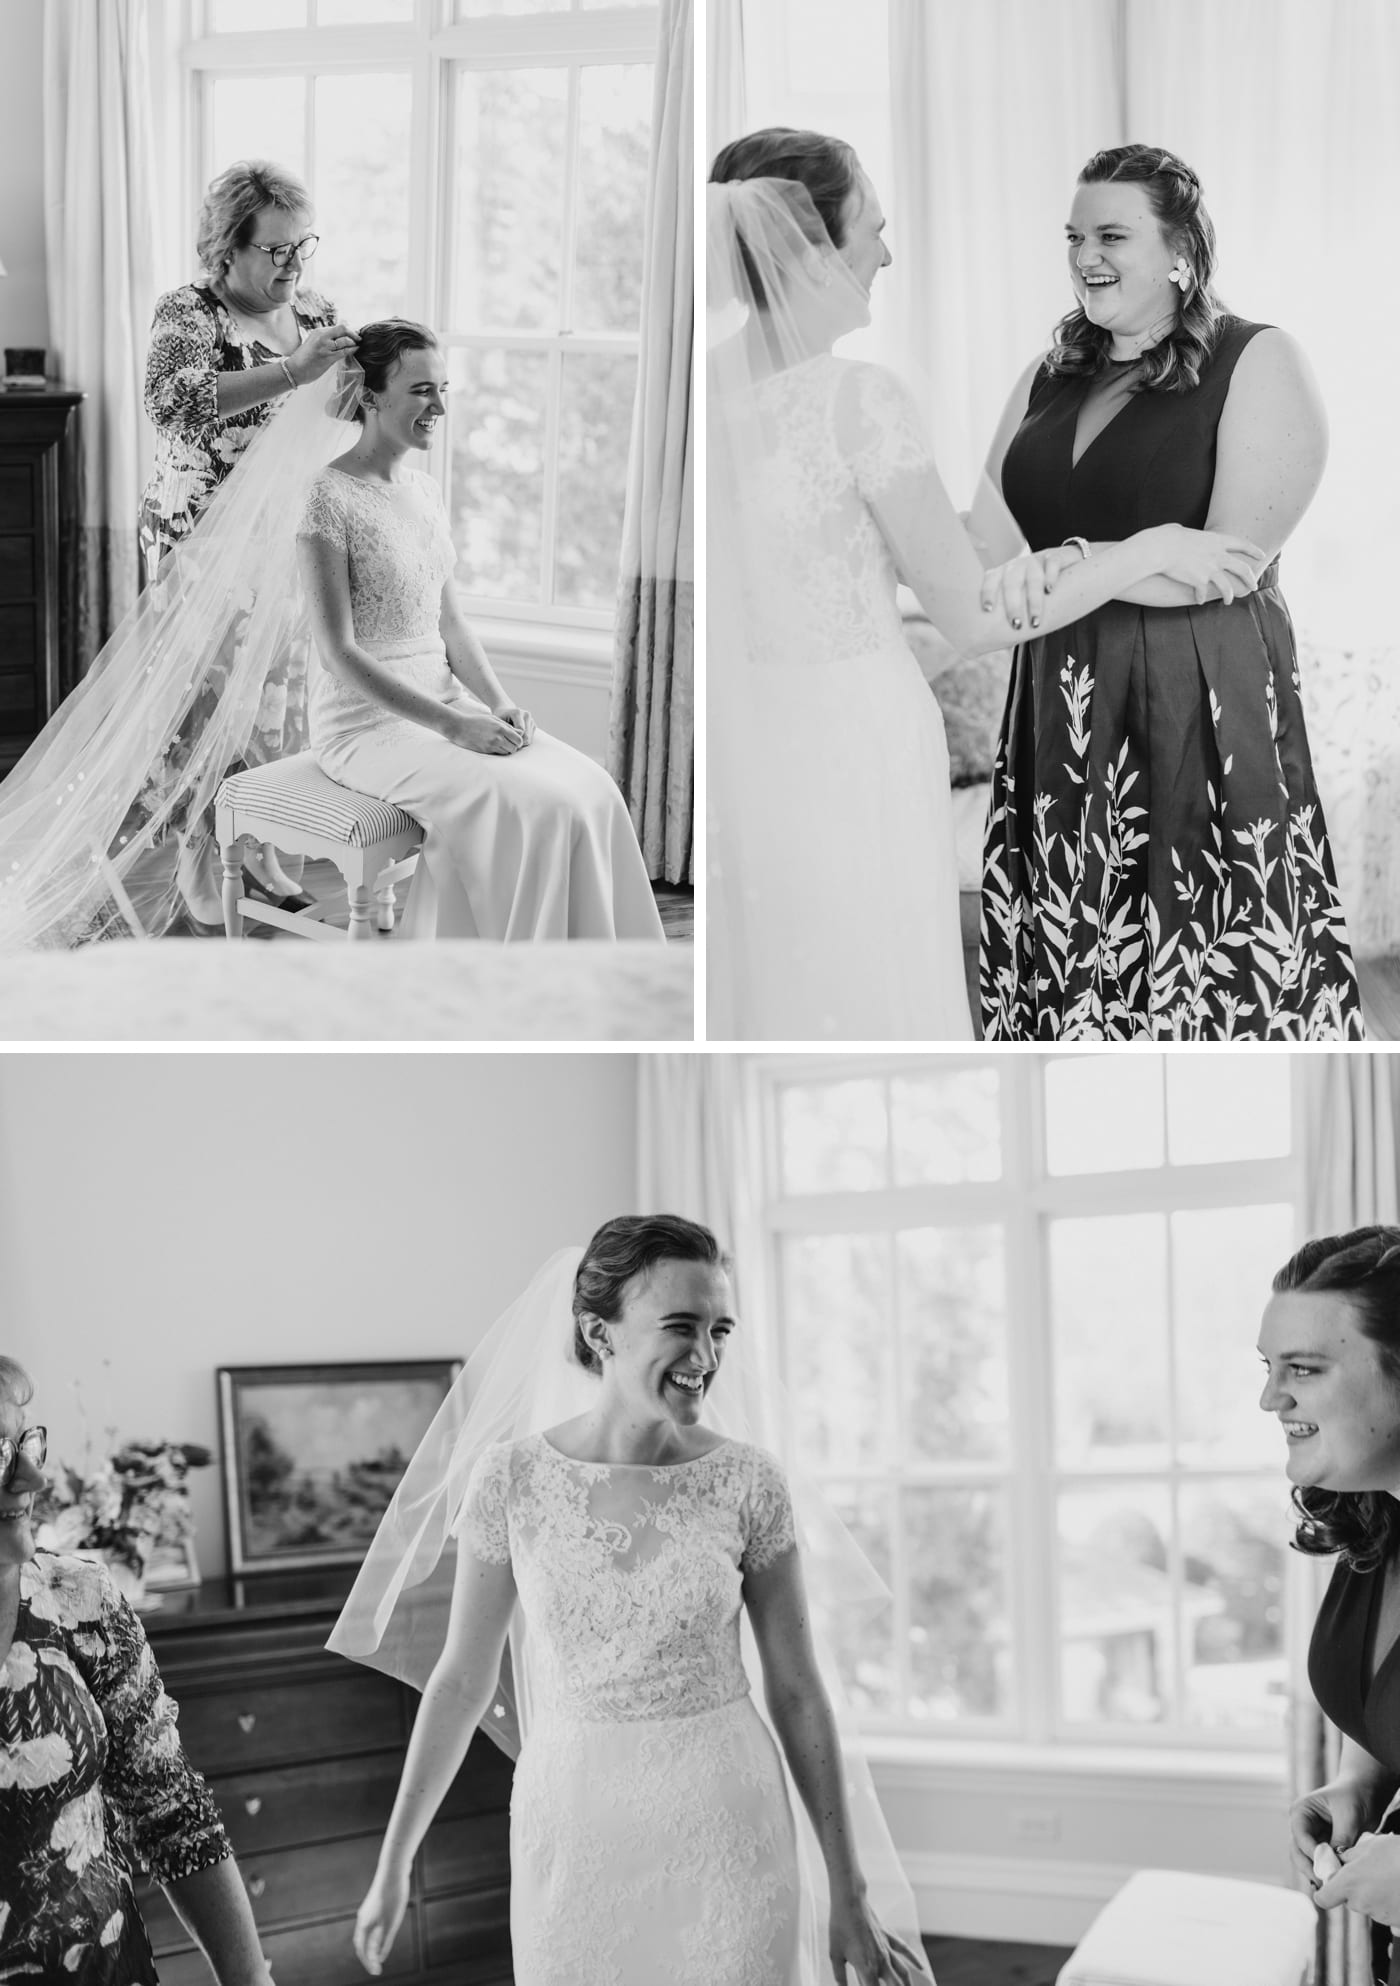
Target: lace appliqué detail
[400, 551]
[838, 436]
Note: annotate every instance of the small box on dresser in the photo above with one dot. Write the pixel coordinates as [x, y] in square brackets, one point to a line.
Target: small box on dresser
[302, 1751]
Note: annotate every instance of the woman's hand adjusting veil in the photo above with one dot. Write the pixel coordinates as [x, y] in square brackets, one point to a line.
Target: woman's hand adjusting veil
[318, 351]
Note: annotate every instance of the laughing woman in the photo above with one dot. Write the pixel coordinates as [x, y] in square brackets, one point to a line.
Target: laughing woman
[1156, 860]
[1331, 1342]
[527, 838]
[92, 1777]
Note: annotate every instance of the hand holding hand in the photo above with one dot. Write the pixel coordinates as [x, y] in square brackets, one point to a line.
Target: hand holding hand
[479, 731]
[319, 350]
[380, 1916]
[1335, 1815]
[1024, 584]
[1202, 559]
[863, 1953]
[1368, 1880]
[519, 719]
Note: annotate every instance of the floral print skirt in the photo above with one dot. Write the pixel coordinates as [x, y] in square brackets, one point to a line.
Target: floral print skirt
[1156, 862]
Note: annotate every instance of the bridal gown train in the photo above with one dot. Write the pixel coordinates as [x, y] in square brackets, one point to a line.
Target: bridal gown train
[652, 1840]
[536, 845]
[834, 812]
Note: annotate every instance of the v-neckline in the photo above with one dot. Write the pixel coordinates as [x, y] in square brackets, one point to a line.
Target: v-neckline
[1075, 461]
[1371, 1628]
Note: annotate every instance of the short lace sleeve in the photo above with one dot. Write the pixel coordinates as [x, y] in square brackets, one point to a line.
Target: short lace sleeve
[482, 1525]
[769, 1529]
[880, 431]
[324, 513]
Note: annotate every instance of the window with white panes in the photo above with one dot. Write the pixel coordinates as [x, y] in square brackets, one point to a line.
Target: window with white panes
[482, 166]
[1017, 1301]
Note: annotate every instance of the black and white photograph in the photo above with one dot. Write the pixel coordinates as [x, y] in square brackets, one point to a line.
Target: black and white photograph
[896, 1516]
[1048, 520]
[346, 562]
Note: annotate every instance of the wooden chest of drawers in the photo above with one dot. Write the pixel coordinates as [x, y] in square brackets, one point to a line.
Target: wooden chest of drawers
[302, 1752]
[37, 562]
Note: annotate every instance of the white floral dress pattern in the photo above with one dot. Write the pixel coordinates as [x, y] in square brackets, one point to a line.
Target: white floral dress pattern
[652, 1842]
[1156, 862]
[92, 1781]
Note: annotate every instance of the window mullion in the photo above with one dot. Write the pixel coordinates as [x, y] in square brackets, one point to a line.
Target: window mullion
[1031, 1485]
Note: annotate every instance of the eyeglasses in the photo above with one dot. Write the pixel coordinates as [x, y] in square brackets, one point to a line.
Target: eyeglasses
[283, 251]
[33, 1446]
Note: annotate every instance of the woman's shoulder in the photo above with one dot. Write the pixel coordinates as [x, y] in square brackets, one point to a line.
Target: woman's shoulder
[190, 303]
[69, 1591]
[313, 308]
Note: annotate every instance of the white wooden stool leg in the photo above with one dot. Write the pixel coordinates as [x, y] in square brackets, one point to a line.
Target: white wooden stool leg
[361, 894]
[231, 855]
[384, 897]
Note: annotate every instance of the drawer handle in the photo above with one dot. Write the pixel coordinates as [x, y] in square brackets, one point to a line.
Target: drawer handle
[253, 1806]
[256, 1885]
[246, 1722]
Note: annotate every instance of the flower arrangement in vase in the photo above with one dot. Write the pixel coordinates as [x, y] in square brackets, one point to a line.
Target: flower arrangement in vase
[135, 1503]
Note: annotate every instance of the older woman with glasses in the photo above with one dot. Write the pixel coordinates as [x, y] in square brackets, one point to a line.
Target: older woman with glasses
[92, 1776]
[224, 351]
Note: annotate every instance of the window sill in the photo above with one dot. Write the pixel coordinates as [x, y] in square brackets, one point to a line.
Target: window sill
[582, 656]
[894, 1756]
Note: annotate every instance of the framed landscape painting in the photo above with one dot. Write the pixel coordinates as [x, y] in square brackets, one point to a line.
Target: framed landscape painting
[313, 1454]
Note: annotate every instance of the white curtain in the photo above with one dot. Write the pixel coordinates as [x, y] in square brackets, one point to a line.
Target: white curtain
[1290, 112]
[651, 742]
[99, 202]
[1351, 1109]
[697, 1153]
[994, 105]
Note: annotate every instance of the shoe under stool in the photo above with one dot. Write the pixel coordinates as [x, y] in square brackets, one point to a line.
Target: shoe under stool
[1165, 1928]
[301, 811]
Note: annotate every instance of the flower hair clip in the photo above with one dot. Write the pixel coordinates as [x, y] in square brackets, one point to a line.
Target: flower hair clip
[349, 389]
[1180, 274]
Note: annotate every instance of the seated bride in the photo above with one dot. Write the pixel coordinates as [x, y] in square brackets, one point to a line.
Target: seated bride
[526, 837]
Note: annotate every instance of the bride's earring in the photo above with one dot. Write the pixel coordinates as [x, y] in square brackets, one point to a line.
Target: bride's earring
[1180, 274]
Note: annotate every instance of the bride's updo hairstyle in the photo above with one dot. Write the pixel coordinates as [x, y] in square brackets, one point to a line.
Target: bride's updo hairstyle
[1363, 1266]
[1174, 193]
[380, 346]
[15, 1384]
[624, 1248]
[827, 167]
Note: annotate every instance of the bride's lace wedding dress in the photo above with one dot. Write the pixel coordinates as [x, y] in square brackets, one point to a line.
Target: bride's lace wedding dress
[652, 1841]
[536, 845]
[851, 869]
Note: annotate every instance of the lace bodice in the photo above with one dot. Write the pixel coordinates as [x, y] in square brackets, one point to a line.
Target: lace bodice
[399, 549]
[843, 475]
[630, 1577]
[400, 556]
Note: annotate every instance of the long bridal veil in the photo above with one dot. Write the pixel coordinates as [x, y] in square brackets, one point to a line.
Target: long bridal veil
[522, 1379]
[136, 754]
[777, 294]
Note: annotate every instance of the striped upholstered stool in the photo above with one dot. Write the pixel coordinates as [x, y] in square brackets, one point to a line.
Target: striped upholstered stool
[293, 804]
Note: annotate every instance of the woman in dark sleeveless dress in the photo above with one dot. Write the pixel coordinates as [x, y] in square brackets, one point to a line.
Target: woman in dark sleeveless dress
[1331, 1341]
[1156, 862]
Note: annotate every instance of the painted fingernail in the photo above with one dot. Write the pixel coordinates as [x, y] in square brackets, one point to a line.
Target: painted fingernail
[1035, 620]
[1015, 621]
[986, 606]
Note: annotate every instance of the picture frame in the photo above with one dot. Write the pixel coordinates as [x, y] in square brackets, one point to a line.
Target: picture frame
[172, 1568]
[312, 1454]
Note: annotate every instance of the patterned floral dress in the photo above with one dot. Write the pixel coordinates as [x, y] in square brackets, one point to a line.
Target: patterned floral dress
[651, 1834]
[92, 1782]
[1156, 860]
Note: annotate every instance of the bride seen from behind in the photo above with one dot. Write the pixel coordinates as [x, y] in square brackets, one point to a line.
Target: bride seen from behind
[834, 900]
[645, 1558]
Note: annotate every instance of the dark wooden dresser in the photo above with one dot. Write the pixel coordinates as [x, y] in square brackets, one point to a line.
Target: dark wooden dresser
[302, 1752]
[38, 553]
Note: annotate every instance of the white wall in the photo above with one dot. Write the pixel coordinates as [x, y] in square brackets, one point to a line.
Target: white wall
[161, 1215]
[24, 310]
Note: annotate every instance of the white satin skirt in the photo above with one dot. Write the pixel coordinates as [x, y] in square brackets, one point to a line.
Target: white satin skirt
[537, 845]
[660, 1850]
[833, 839]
